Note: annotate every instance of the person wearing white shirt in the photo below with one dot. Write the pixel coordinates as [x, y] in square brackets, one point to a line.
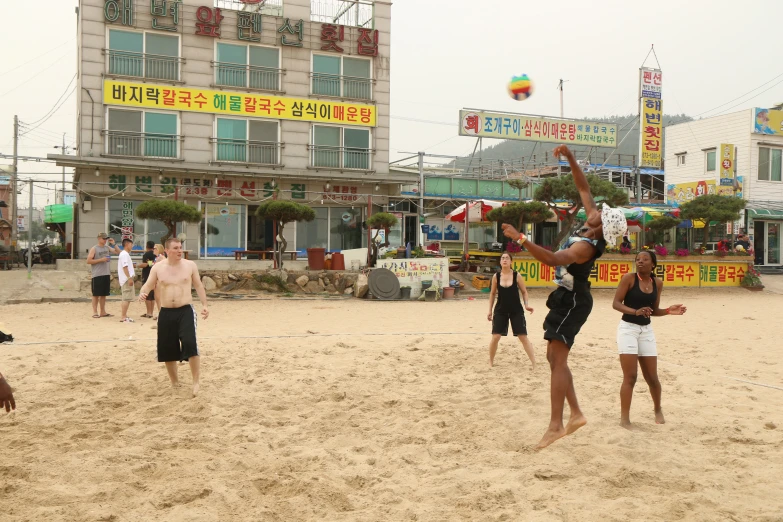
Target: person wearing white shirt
[126, 273]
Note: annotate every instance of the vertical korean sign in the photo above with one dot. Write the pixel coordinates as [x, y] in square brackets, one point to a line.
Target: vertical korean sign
[651, 118]
[726, 159]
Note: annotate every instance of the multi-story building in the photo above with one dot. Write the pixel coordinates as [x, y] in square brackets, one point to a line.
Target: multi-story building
[224, 104]
[733, 154]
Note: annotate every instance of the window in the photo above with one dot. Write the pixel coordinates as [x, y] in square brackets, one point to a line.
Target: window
[248, 66]
[123, 222]
[341, 76]
[337, 147]
[223, 230]
[345, 228]
[680, 159]
[711, 160]
[141, 133]
[247, 141]
[312, 234]
[144, 55]
[769, 164]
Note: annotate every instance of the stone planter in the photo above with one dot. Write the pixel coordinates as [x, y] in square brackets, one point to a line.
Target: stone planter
[754, 288]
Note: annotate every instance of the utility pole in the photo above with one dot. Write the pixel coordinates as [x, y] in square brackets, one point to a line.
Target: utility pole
[421, 198]
[30, 234]
[64, 148]
[14, 176]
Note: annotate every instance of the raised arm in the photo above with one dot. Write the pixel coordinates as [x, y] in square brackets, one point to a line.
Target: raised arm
[578, 253]
[580, 180]
[202, 294]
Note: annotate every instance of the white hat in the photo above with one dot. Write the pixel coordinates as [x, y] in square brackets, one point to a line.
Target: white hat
[614, 224]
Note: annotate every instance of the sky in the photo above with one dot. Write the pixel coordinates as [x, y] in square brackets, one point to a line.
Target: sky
[716, 56]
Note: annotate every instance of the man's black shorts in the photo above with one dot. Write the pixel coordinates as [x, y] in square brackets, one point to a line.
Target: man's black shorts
[177, 334]
[500, 322]
[568, 312]
[101, 286]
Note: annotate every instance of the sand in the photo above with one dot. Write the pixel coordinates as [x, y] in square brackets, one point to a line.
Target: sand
[370, 424]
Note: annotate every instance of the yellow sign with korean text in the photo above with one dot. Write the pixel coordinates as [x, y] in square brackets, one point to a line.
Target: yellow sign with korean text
[608, 273]
[726, 163]
[722, 274]
[242, 104]
[506, 126]
[651, 141]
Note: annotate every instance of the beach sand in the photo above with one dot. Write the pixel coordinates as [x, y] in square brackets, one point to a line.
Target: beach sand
[368, 424]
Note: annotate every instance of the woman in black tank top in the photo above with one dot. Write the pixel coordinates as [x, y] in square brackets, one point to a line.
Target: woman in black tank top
[507, 285]
[638, 297]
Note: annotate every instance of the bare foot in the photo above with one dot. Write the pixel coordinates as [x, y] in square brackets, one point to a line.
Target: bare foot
[626, 423]
[175, 384]
[659, 417]
[549, 437]
[574, 423]
[195, 389]
[491, 363]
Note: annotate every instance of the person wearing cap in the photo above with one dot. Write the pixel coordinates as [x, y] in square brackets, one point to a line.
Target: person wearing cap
[99, 259]
[571, 303]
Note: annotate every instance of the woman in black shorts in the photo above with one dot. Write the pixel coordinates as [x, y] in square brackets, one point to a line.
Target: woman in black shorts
[570, 304]
[507, 285]
[638, 297]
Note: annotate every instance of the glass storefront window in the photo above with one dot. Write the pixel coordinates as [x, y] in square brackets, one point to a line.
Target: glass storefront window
[123, 223]
[345, 228]
[223, 231]
[310, 234]
[482, 233]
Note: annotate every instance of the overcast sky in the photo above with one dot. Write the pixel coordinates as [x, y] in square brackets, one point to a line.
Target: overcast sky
[449, 54]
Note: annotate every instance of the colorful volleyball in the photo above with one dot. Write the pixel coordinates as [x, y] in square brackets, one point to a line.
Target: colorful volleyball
[520, 87]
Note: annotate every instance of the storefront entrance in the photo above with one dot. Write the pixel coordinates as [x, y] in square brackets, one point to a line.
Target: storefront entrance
[766, 242]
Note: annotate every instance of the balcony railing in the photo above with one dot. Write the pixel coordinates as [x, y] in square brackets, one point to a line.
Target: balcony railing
[247, 151]
[348, 158]
[248, 76]
[153, 66]
[140, 144]
[355, 13]
[342, 86]
[267, 8]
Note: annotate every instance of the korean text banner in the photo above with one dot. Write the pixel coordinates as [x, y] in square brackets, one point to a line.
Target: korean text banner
[651, 142]
[766, 121]
[162, 97]
[650, 82]
[536, 128]
[607, 273]
[726, 164]
[681, 193]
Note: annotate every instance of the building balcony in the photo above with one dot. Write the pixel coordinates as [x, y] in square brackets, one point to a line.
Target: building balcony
[247, 151]
[149, 66]
[142, 145]
[355, 13]
[341, 86]
[340, 158]
[247, 76]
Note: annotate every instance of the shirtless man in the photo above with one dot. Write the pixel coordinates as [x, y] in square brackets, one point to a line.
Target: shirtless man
[177, 318]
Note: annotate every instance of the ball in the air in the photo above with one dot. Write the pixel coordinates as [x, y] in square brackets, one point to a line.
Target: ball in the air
[520, 87]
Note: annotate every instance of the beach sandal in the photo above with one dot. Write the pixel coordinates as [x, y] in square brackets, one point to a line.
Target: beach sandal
[96, 316]
[127, 320]
[146, 316]
[107, 315]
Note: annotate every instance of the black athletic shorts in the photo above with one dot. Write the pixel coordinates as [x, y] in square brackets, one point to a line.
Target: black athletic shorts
[568, 312]
[101, 286]
[500, 322]
[177, 334]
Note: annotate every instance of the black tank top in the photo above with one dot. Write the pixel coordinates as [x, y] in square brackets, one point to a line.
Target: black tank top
[508, 298]
[636, 299]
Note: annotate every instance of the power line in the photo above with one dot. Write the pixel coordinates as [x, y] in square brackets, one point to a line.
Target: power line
[55, 110]
[55, 103]
[35, 75]
[737, 98]
[28, 62]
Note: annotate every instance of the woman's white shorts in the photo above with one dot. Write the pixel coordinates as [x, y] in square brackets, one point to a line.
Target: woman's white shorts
[634, 339]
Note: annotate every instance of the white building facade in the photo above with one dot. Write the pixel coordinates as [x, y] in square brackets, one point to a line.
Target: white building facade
[225, 104]
[694, 166]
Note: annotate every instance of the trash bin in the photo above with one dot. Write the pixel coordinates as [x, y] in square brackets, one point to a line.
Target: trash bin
[316, 258]
[338, 261]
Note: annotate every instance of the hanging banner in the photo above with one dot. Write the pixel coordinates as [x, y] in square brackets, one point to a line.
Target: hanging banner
[767, 121]
[170, 98]
[726, 159]
[504, 126]
[651, 118]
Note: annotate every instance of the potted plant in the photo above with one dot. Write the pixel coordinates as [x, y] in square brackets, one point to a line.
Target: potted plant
[405, 292]
[752, 280]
